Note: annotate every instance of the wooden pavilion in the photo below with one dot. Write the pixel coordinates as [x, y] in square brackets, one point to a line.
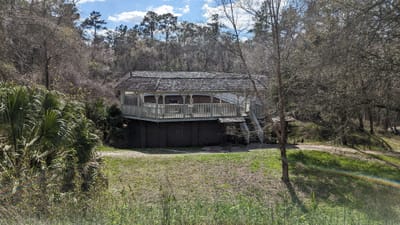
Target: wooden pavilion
[190, 108]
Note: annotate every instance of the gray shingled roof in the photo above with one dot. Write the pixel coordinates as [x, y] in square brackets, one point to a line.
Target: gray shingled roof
[152, 81]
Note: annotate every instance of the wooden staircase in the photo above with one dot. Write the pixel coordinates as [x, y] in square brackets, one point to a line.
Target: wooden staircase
[251, 127]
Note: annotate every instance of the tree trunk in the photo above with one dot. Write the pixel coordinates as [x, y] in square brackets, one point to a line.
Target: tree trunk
[274, 9]
[387, 120]
[360, 121]
[371, 121]
[46, 74]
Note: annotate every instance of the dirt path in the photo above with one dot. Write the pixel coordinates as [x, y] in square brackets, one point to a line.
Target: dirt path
[334, 149]
[218, 149]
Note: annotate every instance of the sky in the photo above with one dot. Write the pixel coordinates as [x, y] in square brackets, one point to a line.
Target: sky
[131, 12]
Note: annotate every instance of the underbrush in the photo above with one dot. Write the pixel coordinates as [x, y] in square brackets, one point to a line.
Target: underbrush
[47, 152]
[313, 133]
[308, 132]
[235, 188]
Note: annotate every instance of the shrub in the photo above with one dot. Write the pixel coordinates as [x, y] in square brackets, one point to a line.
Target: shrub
[47, 146]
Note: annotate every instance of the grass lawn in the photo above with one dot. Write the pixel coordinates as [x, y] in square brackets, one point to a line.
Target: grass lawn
[240, 188]
[393, 141]
[245, 188]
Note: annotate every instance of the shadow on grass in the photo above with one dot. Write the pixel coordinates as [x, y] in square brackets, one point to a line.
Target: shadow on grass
[366, 141]
[295, 199]
[334, 180]
[381, 159]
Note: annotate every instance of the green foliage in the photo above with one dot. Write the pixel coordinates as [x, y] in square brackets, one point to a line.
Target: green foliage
[308, 132]
[47, 146]
[109, 120]
[94, 22]
[237, 188]
[115, 134]
[96, 111]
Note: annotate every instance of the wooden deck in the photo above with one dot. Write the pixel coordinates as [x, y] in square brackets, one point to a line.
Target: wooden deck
[183, 111]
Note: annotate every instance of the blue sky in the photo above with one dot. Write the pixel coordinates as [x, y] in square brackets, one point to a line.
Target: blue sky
[131, 12]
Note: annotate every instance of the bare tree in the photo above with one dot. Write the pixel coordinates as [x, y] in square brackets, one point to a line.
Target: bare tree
[273, 18]
[274, 11]
[228, 7]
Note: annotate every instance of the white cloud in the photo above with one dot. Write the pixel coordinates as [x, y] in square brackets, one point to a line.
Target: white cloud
[132, 16]
[137, 16]
[99, 32]
[244, 20]
[185, 9]
[103, 32]
[163, 9]
[80, 2]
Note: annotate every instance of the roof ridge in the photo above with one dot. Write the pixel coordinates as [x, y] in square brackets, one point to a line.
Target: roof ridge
[159, 77]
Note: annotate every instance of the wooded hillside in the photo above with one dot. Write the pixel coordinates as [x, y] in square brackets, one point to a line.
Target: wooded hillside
[339, 60]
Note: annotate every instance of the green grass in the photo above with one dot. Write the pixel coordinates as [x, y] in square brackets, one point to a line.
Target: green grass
[245, 188]
[240, 188]
[393, 141]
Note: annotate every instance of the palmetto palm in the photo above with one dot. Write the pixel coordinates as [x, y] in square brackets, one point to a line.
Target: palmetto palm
[33, 123]
[44, 133]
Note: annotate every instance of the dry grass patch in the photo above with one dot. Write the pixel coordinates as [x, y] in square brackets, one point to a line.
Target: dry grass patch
[207, 177]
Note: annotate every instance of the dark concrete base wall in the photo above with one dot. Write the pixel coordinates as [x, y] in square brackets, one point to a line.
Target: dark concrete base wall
[174, 134]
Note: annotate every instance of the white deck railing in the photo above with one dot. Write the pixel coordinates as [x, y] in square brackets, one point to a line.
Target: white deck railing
[183, 111]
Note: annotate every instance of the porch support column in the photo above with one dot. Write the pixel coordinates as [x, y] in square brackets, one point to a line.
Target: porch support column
[184, 111]
[156, 96]
[142, 109]
[163, 100]
[212, 104]
[141, 99]
[191, 105]
[237, 104]
[245, 102]
[122, 97]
